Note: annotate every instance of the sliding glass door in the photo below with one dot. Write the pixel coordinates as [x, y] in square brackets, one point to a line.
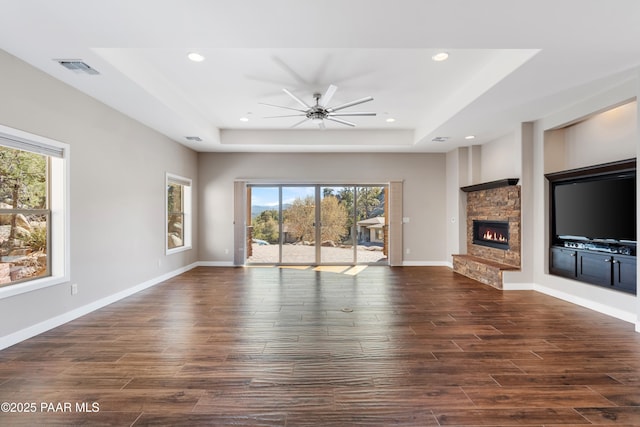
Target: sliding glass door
[337, 244]
[317, 224]
[263, 225]
[371, 208]
[298, 225]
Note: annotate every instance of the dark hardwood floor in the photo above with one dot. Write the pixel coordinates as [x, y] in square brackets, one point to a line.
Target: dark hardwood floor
[412, 346]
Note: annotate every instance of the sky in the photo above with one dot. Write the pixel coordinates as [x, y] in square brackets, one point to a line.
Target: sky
[268, 196]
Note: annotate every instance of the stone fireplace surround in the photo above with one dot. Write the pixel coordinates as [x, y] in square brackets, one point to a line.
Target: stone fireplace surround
[493, 201]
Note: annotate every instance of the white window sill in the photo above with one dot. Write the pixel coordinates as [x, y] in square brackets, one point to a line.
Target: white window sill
[177, 250]
[30, 286]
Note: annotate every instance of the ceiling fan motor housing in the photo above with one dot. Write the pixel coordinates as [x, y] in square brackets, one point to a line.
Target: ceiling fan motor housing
[320, 111]
[317, 115]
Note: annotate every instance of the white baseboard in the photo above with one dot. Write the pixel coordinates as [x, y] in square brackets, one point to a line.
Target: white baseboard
[592, 305]
[426, 264]
[32, 331]
[215, 264]
[517, 286]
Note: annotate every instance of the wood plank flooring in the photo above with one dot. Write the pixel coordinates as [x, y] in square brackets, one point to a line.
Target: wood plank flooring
[412, 346]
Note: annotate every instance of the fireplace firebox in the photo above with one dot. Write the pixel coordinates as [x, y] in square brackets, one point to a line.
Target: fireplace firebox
[494, 234]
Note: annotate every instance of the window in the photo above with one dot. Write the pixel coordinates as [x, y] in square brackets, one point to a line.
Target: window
[178, 213]
[34, 225]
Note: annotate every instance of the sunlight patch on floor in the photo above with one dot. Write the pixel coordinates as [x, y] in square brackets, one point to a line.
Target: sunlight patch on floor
[332, 268]
[355, 270]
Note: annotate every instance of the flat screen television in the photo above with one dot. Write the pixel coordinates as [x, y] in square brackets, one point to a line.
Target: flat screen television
[595, 208]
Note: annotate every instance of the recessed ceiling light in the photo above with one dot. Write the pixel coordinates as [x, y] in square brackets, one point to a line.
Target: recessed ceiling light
[244, 119]
[440, 56]
[470, 137]
[391, 120]
[195, 57]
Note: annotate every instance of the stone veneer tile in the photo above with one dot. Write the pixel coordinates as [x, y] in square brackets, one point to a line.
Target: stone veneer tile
[496, 204]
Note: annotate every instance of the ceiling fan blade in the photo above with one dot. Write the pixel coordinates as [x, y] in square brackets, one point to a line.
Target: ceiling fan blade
[358, 113]
[288, 115]
[301, 122]
[326, 98]
[350, 104]
[344, 122]
[282, 106]
[298, 100]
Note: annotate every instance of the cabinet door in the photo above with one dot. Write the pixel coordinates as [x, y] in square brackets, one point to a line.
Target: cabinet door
[624, 274]
[563, 262]
[595, 268]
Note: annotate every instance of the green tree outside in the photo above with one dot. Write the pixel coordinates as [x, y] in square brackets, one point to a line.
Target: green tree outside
[23, 182]
[23, 179]
[266, 227]
[368, 201]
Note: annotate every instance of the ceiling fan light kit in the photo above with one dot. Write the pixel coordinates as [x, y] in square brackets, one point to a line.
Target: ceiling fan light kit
[320, 112]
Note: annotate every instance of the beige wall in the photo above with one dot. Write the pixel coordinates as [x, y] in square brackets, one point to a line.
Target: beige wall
[117, 174]
[596, 130]
[604, 137]
[423, 177]
[457, 176]
[506, 157]
[501, 158]
[572, 138]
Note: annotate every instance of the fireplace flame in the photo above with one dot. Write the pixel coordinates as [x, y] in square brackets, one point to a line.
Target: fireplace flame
[494, 236]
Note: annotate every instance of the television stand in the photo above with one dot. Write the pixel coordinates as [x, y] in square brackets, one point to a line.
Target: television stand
[596, 265]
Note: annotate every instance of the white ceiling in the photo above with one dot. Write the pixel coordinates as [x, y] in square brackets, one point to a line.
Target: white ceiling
[510, 61]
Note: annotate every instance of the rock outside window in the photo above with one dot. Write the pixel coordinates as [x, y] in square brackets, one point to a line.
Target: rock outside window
[178, 196]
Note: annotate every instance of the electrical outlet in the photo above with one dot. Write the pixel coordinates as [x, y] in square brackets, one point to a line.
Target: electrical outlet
[408, 251]
[74, 289]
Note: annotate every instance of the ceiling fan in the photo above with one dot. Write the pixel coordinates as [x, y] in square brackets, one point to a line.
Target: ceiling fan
[320, 112]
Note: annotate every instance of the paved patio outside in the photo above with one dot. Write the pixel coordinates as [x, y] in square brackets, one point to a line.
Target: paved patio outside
[268, 254]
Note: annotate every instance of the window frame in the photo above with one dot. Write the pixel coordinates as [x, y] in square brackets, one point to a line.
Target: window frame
[187, 212]
[59, 266]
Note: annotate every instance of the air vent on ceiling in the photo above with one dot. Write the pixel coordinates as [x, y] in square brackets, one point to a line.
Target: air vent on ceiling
[194, 138]
[440, 138]
[77, 67]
